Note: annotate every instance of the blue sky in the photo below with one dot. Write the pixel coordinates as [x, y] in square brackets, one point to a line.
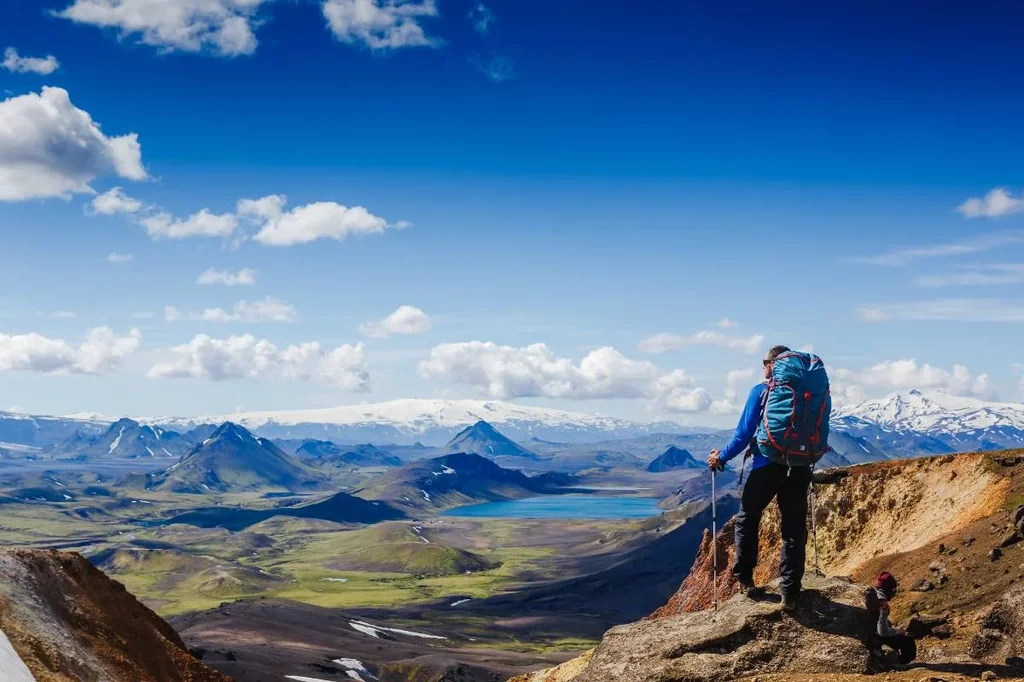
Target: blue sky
[579, 175]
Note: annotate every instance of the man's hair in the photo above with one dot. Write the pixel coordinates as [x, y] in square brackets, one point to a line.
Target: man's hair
[775, 352]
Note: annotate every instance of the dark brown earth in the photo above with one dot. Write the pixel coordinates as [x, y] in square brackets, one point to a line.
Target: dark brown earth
[71, 623]
[263, 640]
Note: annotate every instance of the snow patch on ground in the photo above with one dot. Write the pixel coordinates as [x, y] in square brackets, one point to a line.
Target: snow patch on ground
[150, 451]
[426, 495]
[355, 669]
[334, 580]
[12, 668]
[117, 441]
[375, 630]
[460, 602]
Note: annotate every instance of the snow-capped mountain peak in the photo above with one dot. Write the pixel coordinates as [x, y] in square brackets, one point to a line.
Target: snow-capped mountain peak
[431, 421]
[932, 413]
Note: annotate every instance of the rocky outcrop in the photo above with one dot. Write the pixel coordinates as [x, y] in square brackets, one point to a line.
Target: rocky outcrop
[950, 525]
[68, 622]
[744, 637]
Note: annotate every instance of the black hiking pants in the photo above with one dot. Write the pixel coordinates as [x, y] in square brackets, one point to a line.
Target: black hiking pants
[904, 645]
[789, 487]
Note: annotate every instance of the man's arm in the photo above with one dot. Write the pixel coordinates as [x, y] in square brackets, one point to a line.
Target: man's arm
[747, 425]
[885, 628]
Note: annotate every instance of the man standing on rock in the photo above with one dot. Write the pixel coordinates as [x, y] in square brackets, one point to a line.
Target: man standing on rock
[784, 426]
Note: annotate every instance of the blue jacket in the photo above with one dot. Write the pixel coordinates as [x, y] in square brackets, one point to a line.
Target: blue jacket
[745, 430]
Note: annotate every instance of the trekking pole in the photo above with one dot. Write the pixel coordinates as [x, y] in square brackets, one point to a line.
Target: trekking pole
[714, 541]
[814, 524]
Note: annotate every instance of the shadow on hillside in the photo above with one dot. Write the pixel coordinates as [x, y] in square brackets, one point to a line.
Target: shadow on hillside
[972, 670]
[818, 612]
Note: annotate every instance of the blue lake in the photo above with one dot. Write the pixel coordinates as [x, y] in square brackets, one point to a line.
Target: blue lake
[563, 507]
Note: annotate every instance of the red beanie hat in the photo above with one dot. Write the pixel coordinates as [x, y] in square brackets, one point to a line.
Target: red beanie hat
[885, 581]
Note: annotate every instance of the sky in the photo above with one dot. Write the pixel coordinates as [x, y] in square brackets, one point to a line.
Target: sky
[219, 205]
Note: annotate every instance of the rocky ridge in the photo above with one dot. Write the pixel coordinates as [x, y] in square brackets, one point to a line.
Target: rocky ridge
[949, 527]
[68, 622]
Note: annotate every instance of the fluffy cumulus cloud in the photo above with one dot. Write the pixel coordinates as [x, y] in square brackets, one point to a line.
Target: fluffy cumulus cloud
[854, 386]
[405, 320]
[102, 351]
[266, 217]
[509, 372]
[663, 343]
[221, 27]
[735, 382]
[15, 63]
[303, 224]
[245, 357]
[268, 309]
[997, 203]
[380, 24]
[113, 202]
[50, 148]
[244, 277]
[163, 225]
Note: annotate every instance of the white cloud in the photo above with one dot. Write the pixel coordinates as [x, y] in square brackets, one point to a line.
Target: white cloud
[663, 343]
[998, 202]
[949, 310]
[496, 67]
[734, 379]
[222, 27]
[50, 148]
[268, 309]
[978, 275]
[245, 357]
[909, 374]
[725, 323]
[15, 63]
[244, 277]
[101, 352]
[274, 226]
[163, 225]
[115, 201]
[65, 315]
[303, 224]
[380, 24]
[982, 243]
[405, 320]
[120, 258]
[481, 16]
[509, 372]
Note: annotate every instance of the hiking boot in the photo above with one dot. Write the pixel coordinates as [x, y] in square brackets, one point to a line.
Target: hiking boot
[747, 587]
[790, 602]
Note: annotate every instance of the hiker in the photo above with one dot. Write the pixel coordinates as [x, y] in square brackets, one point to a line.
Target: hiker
[784, 428]
[898, 639]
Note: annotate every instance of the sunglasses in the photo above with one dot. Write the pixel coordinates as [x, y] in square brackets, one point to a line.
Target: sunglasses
[767, 362]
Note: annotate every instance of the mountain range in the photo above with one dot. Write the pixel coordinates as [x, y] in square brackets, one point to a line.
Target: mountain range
[902, 424]
[432, 422]
[126, 439]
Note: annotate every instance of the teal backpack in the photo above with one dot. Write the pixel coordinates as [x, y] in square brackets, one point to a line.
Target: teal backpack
[797, 406]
